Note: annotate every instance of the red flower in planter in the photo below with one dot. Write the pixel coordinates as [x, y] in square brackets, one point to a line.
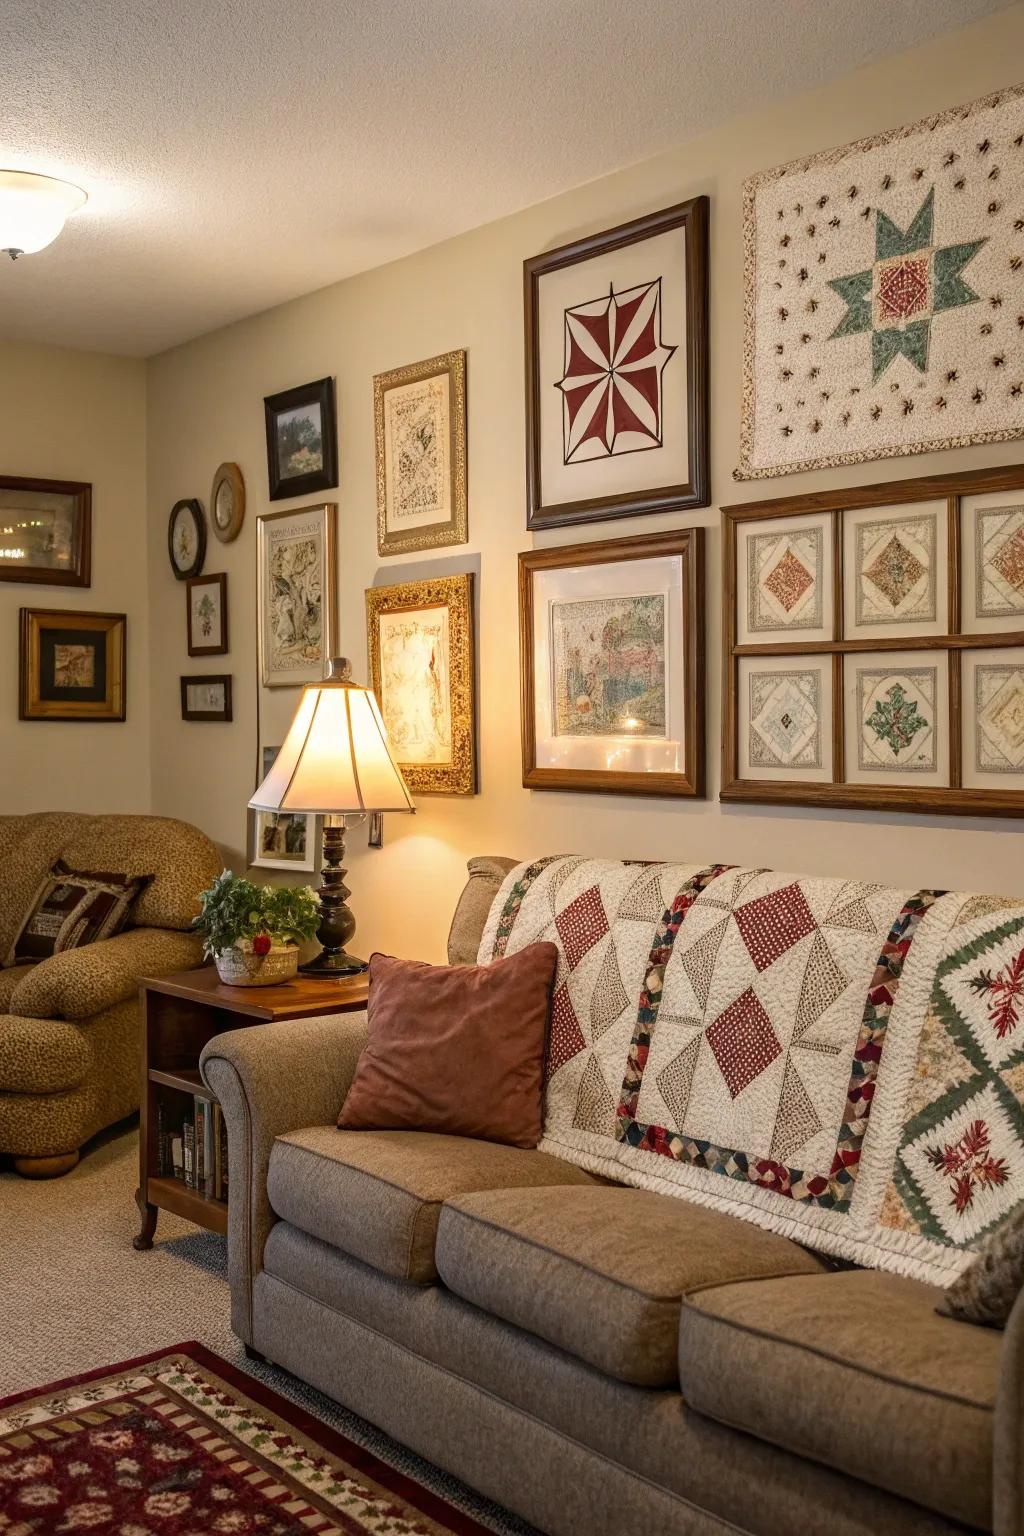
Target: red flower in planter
[261, 944]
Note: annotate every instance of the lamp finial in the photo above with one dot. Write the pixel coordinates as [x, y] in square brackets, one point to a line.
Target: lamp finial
[339, 670]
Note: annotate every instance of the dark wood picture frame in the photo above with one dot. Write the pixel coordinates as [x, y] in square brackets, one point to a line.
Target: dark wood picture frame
[219, 580]
[688, 544]
[321, 393]
[954, 799]
[79, 573]
[204, 714]
[39, 697]
[695, 492]
[188, 506]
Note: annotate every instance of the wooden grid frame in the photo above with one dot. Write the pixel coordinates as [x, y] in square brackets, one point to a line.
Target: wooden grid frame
[953, 799]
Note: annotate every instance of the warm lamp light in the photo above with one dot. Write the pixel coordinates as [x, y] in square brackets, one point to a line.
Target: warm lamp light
[335, 762]
[33, 210]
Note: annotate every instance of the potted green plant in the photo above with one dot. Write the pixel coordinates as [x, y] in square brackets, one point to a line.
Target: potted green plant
[251, 932]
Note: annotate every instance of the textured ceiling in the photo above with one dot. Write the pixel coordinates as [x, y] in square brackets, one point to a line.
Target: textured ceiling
[240, 152]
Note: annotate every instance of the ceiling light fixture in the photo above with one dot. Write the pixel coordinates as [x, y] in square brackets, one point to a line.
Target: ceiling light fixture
[33, 210]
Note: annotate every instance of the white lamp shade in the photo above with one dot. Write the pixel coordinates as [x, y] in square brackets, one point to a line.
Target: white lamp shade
[335, 758]
[33, 210]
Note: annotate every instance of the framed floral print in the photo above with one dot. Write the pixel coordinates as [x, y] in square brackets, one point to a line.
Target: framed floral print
[186, 538]
[617, 371]
[281, 839]
[206, 613]
[297, 582]
[419, 417]
[420, 641]
[71, 665]
[611, 640]
[302, 440]
[874, 646]
[206, 697]
[45, 531]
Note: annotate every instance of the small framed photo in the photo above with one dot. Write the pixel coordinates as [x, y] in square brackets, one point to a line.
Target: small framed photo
[296, 584]
[45, 531]
[419, 417]
[206, 599]
[282, 839]
[71, 666]
[207, 697]
[611, 641]
[302, 440]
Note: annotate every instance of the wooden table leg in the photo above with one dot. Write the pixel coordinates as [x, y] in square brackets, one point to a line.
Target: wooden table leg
[148, 1212]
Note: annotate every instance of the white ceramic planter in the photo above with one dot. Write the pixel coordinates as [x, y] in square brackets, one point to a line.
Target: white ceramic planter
[239, 967]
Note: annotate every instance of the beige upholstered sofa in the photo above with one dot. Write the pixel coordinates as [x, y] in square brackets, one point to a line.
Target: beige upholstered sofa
[595, 1358]
[70, 1030]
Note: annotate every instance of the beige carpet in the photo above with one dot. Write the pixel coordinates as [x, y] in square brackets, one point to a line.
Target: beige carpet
[74, 1294]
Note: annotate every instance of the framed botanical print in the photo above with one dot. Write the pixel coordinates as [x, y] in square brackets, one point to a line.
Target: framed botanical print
[611, 639]
[419, 417]
[875, 646]
[206, 697]
[420, 641]
[71, 666]
[297, 582]
[281, 839]
[206, 613]
[45, 531]
[302, 440]
[617, 371]
[186, 538]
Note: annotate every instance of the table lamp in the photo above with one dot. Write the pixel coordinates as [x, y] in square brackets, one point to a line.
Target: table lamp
[335, 762]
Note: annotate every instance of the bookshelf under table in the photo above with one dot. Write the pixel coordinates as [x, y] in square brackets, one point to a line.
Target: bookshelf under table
[180, 1014]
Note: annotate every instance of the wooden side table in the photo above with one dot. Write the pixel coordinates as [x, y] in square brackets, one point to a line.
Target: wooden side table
[181, 1013]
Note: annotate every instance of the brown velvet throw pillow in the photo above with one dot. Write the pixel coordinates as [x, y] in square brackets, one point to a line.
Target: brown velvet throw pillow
[457, 1049]
[73, 907]
[987, 1289]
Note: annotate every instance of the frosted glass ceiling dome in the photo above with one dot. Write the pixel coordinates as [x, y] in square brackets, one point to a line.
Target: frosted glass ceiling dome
[33, 210]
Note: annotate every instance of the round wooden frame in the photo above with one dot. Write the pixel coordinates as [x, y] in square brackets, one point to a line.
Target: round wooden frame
[231, 473]
[190, 506]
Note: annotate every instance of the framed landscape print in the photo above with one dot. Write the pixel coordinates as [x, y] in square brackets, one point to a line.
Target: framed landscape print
[206, 697]
[302, 440]
[71, 666]
[296, 586]
[206, 613]
[45, 531]
[617, 371]
[902, 689]
[419, 417]
[281, 839]
[611, 639]
[420, 641]
[882, 295]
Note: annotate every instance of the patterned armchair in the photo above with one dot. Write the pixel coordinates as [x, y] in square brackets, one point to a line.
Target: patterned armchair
[70, 1025]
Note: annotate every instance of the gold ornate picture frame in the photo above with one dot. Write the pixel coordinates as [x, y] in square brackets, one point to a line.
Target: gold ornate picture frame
[419, 414]
[420, 644]
[71, 665]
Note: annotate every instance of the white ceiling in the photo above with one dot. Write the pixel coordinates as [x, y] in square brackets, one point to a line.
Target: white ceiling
[240, 152]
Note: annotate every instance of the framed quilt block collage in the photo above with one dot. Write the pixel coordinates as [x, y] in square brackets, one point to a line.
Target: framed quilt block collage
[875, 646]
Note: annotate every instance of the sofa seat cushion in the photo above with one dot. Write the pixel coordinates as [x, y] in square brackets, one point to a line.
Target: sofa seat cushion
[601, 1272]
[377, 1195]
[854, 1369]
[10, 975]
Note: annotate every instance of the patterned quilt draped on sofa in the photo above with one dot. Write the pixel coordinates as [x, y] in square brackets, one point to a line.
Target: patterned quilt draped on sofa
[837, 1061]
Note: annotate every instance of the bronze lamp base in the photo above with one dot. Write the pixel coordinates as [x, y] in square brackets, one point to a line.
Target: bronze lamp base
[337, 925]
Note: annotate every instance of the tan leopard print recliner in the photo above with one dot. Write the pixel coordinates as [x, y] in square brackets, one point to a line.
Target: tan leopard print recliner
[70, 1026]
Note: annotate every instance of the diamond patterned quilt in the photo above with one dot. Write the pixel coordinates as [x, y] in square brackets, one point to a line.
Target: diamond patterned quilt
[837, 1061]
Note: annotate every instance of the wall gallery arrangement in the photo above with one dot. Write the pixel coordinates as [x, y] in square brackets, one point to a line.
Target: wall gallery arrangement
[875, 646]
[71, 665]
[420, 641]
[45, 531]
[297, 576]
[419, 415]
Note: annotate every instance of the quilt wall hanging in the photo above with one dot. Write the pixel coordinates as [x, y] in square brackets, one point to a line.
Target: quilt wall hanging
[884, 295]
[836, 1061]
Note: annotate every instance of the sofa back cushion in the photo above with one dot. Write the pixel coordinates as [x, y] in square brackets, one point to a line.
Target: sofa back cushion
[181, 861]
[486, 872]
[29, 845]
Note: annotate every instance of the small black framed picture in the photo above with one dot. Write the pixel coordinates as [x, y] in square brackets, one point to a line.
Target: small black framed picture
[206, 697]
[302, 440]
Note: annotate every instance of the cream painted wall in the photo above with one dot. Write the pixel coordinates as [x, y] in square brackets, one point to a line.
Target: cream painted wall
[79, 416]
[205, 404]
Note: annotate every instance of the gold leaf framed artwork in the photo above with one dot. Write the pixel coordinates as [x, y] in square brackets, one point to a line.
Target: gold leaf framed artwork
[419, 417]
[71, 665]
[420, 639]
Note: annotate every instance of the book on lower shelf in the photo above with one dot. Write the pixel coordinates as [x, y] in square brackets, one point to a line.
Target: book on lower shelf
[192, 1144]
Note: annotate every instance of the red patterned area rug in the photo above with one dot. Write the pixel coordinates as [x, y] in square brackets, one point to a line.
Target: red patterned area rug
[179, 1443]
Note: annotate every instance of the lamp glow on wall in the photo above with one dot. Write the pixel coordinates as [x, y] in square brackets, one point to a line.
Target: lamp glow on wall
[335, 762]
[33, 211]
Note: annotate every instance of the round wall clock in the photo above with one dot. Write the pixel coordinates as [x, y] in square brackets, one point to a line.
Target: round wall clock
[227, 502]
[186, 538]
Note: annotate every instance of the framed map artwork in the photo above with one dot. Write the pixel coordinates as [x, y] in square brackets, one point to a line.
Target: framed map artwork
[420, 426]
[296, 585]
[612, 657]
[617, 371]
[875, 646]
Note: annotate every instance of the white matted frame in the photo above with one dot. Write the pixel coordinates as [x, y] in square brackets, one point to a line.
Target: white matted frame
[296, 572]
[282, 839]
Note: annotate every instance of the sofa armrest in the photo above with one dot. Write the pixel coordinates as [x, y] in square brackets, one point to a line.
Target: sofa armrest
[1008, 1437]
[271, 1080]
[78, 983]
